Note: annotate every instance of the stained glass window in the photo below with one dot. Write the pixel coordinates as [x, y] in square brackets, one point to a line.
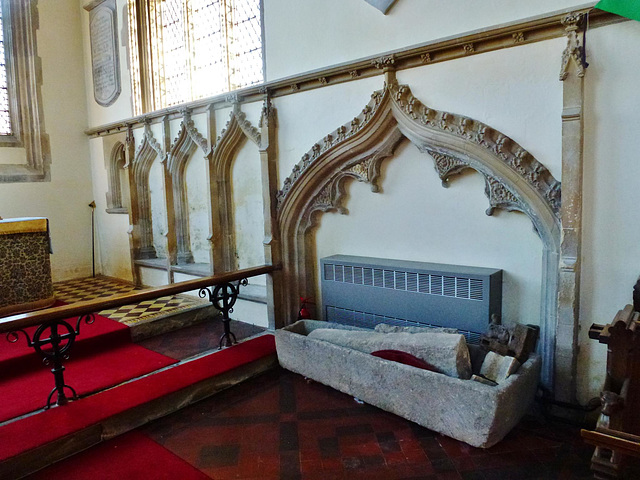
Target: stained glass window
[5, 114]
[193, 49]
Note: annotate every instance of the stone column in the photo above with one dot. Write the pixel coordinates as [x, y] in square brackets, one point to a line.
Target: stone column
[272, 244]
[572, 76]
[130, 153]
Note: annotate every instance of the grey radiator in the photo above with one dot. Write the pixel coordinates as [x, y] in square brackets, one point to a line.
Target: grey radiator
[365, 291]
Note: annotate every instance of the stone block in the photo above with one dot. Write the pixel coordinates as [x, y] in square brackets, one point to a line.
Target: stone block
[445, 351]
[498, 367]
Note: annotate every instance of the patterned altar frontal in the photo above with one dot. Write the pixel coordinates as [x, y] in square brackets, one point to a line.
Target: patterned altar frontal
[25, 266]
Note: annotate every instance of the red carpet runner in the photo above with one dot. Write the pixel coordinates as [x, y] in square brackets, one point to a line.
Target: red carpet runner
[130, 456]
[102, 357]
[37, 430]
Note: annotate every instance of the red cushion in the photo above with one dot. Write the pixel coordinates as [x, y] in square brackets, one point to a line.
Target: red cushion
[405, 358]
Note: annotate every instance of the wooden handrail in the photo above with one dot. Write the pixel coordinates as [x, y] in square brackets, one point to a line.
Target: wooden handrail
[623, 442]
[24, 320]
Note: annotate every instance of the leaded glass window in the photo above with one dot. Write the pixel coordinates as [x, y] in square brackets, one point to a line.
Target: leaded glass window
[184, 50]
[5, 113]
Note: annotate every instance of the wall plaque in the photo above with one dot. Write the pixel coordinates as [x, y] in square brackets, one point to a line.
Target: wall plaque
[104, 51]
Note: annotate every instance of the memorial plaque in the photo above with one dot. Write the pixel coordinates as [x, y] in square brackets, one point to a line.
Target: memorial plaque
[104, 51]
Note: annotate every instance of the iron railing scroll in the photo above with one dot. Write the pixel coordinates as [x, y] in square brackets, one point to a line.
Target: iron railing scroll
[52, 341]
[223, 297]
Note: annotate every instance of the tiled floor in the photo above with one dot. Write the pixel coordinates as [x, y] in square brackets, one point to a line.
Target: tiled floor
[99, 287]
[281, 426]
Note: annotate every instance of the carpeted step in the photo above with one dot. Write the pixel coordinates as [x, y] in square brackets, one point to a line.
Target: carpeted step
[30, 435]
[103, 356]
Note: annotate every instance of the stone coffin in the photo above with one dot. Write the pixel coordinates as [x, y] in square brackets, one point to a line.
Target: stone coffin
[475, 413]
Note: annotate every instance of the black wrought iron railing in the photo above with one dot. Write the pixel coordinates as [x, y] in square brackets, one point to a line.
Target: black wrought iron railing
[55, 335]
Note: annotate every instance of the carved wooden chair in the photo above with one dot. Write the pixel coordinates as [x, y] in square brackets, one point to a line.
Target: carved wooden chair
[617, 433]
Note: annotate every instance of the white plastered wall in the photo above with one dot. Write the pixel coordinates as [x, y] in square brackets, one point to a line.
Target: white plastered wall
[304, 35]
[611, 231]
[64, 199]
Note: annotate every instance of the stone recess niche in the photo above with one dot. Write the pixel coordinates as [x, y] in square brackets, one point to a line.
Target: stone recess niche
[514, 181]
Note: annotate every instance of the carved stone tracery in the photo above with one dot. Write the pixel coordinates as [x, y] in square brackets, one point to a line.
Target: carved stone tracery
[148, 150]
[447, 166]
[513, 155]
[338, 136]
[574, 50]
[515, 180]
[223, 153]
[184, 146]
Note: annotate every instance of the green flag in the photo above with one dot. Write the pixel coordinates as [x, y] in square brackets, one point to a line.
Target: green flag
[624, 8]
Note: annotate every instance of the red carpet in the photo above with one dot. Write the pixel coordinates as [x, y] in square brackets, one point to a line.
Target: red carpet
[58, 422]
[130, 456]
[102, 357]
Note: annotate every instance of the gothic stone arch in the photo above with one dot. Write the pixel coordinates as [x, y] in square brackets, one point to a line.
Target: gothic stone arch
[116, 162]
[140, 167]
[515, 180]
[181, 151]
[237, 130]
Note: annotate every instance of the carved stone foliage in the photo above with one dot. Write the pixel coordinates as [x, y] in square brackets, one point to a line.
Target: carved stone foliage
[148, 142]
[574, 50]
[500, 197]
[501, 146]
[182, 145]
[245, 125]
[447, 166]
[387, 61]
[238, 117]
[518, 37]
[336, 137]
[331, 196]
[267, 115]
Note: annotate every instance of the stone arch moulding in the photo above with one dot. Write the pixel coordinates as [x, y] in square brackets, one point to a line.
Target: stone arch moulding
[145, 155]
[116, 162]
[223, 243]
[514, 180]
[181, 151]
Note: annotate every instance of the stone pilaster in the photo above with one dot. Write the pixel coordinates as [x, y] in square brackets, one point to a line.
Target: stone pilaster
[272, 244]
[572, 75]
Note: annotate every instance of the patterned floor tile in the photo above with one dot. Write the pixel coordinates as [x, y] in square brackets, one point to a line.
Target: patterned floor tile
[91, 288]
[308, 431]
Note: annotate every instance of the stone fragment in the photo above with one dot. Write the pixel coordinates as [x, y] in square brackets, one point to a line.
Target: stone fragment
[445, 351]
[386, 328]
[486, 381]
[498, 367]
[518, 341]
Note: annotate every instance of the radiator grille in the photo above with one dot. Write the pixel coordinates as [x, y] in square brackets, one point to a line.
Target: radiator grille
[448, 286]
[366, 291]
